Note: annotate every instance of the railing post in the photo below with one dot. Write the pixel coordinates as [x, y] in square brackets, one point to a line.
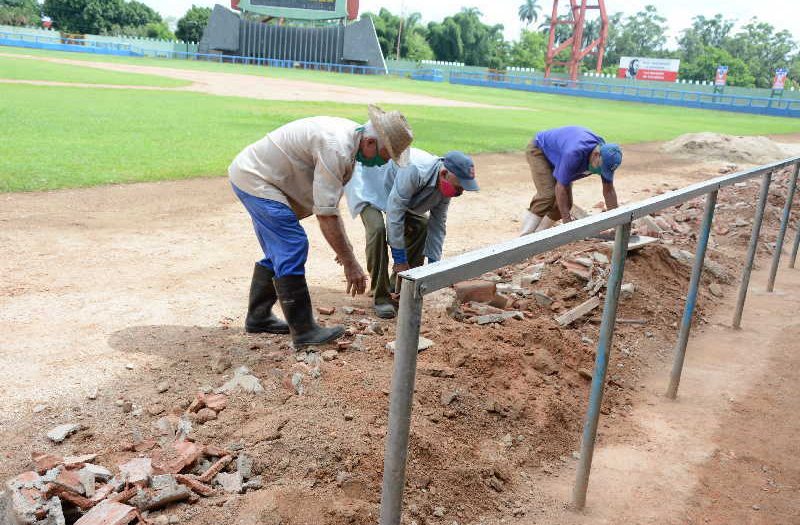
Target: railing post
[751, 250]
[400, 403]
[601, 363]
[691, 298]
[787, 210]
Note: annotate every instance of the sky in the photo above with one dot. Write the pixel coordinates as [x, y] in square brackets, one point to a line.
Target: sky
[679, 13]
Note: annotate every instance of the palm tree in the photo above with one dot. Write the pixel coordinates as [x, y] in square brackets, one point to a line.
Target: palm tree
[529, 11]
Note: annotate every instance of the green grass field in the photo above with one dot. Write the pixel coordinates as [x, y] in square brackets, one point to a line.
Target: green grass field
[24, 69]
[73, 137]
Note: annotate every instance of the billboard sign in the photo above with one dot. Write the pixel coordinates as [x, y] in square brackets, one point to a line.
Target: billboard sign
[721, 78]
[643, 68]
[780, 78]
[300, 9]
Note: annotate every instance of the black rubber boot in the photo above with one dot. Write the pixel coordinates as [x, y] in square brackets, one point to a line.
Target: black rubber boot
[260, 318]
[296, 304]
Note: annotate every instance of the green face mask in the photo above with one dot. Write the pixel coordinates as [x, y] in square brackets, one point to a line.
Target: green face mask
[597, 171]
[370, 162]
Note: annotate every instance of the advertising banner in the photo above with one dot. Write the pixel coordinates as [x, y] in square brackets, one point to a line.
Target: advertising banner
[721, 77]
[780, 78]
[643, 68]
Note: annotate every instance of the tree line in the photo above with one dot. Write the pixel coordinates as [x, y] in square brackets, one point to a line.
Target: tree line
[104, 17]
[752, 53]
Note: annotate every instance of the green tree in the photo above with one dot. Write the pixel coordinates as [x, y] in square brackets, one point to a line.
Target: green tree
[445, 40]
[704, 33]
[98, 16]
[19, 12]
[704, 67]
[529, 11]
[418, 48]
[642, 34]
[389, 26]
[192, 24]
[762, 48]
[529, 50]
[464, 38]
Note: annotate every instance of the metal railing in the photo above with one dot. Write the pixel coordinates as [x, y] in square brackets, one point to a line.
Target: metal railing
[787, 107]
[421, 281]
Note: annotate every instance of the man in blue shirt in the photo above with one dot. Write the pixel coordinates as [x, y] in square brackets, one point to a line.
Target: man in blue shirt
[558, 157]
[405, 196]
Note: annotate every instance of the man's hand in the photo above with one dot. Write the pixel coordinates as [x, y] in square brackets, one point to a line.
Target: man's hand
[401, 267]
[356, 278]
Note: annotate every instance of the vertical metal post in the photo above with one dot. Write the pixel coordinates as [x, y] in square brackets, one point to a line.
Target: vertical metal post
[601, 363]
[691, 298]
[751, 250]
[787, 209]
[794, 248]
[400, 404]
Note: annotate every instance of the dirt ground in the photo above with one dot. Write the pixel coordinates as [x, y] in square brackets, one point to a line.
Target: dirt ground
[252, 86]
[120, 288]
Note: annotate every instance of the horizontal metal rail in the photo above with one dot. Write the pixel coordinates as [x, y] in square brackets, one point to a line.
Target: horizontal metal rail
[447, 272]
[424, 280]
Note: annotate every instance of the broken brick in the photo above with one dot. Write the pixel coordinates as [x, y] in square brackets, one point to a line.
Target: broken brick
[109, 513]
[475, 290]
[216, 402]
[326, 310]
[194, 484]
[187, 453]
[45, 462]
[214, 469]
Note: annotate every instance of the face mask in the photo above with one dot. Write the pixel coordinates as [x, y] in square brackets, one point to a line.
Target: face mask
[597, 171]
[447, 189]
[370, 162]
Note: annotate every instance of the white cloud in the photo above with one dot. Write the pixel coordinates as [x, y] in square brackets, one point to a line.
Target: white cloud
[679, 13]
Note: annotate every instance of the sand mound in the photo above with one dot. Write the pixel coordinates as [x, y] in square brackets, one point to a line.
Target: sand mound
[719, 147]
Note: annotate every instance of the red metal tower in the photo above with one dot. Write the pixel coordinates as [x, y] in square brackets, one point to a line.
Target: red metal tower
[577, 21]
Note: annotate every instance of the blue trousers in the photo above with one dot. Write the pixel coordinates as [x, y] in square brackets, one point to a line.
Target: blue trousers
[282, 239]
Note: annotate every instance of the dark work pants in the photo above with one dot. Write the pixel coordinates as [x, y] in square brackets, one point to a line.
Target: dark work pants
[416, 233]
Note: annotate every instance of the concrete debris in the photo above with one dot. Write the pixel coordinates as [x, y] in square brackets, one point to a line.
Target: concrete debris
[221, 364]
[329, 355]
[204, 415]
[162, 387]
[297, 383]
[499, 301]
[542, 299]
[585, 373]
[241, 380]
[531, 278]
[232, 483]
[716, 290]
[422, 344]
[687, 258]
[448, 396]
[627, 290]
[137, 471]
[61, 432]
[498, 318]
[578, 312]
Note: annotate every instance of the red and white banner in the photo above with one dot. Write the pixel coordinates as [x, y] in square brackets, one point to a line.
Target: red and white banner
[780, 79]
[721, 77]
[643, 68]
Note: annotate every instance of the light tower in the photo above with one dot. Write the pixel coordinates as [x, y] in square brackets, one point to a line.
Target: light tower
[577, 21]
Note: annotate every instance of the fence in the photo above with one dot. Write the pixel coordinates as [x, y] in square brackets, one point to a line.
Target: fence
[633, 93]
[788, 107]
[421, 281]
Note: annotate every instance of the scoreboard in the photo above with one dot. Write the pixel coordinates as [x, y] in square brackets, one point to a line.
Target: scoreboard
[300, 9]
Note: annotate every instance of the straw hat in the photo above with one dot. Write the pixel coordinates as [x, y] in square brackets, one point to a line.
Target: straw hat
[394, 132]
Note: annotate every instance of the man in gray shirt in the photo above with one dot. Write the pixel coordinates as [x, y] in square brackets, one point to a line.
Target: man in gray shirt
[406, 195]
[296, 171]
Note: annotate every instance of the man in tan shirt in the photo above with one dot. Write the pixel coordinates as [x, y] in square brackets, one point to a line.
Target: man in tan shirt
[299, 170]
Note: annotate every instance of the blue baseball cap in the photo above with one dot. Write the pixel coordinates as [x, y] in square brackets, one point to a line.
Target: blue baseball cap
[611, 154]
[461, 165]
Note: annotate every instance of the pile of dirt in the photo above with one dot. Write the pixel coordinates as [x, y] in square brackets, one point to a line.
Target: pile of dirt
[708, 146]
